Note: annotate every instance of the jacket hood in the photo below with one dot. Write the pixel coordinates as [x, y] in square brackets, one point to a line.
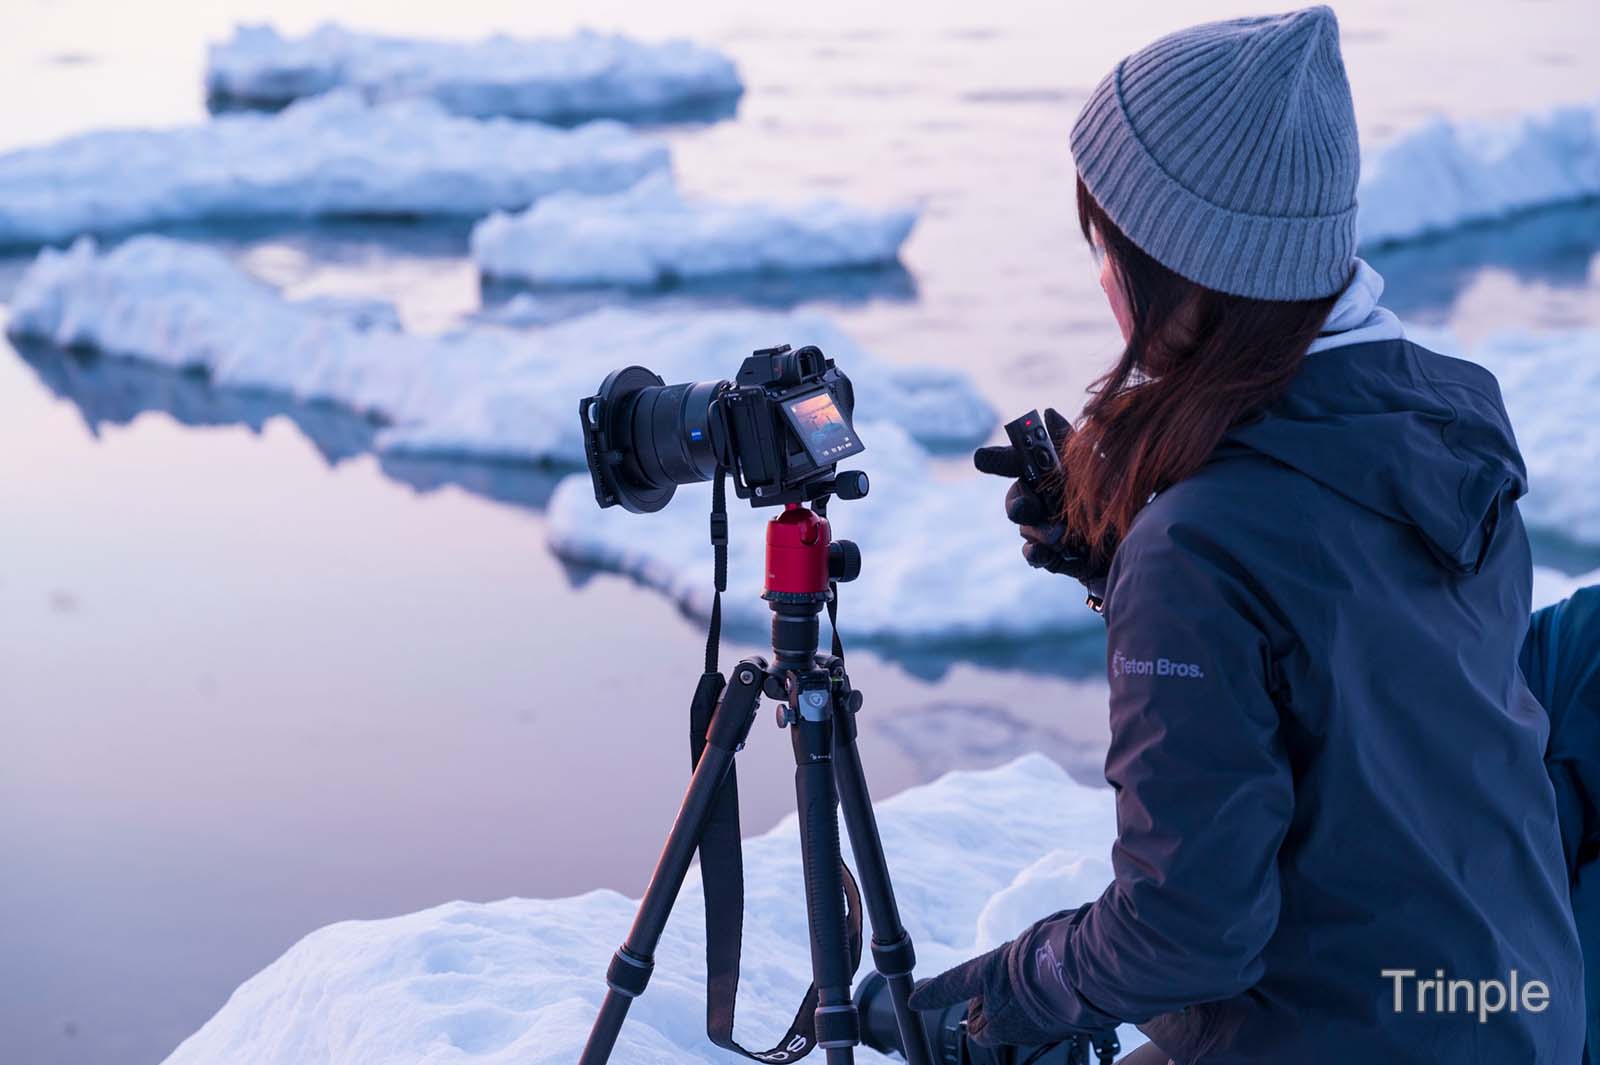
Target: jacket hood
[1417, 437]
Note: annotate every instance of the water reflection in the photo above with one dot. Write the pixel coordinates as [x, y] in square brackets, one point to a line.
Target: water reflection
[512, 304]
[348, 239]
[1553, 246]
[1561, 552]
[517, 483]
[114, 391]
[685, 114]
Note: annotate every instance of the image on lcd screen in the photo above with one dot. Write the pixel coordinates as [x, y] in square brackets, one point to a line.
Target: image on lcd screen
[822, 429]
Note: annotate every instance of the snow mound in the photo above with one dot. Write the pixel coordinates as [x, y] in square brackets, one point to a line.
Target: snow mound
[940, 561]
[1550, 381]
[585, 75]
[481, 391]
[652, 235]
[976, 857]
[333, 155]
[1449, 173]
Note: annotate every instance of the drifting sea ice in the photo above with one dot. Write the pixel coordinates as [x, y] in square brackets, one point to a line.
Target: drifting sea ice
[586, 75]
[333, 155]
[651, 234]
[1453, 172]
[976, 857]
[480, 391]
[1551, 586]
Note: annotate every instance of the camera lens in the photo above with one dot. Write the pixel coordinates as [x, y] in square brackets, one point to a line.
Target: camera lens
[655, 436]
[947, 1039]
[671, 432]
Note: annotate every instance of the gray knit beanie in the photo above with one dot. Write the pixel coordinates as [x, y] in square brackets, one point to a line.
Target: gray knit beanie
[1227, 151]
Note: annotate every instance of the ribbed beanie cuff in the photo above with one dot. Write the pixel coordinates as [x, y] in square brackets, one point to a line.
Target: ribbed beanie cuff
[1209, 106]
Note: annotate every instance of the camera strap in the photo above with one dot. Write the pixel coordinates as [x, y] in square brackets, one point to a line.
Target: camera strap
[722, 855]
[719, 568]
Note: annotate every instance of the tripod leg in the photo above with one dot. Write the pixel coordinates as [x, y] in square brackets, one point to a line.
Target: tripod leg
[892, 952]
[838, 1025]
[630, 967]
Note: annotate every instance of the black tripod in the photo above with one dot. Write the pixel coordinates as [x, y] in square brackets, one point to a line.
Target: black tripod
[819, 708]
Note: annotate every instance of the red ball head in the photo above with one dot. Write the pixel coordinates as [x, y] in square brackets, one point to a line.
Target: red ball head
[797, 553]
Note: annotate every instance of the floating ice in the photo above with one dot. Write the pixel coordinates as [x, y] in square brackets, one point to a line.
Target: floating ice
[334, 155]
[976, 858]
[651, 234]
[482, 390]
[940, 560]
[1452, 172]
[583, 76]
[1551, 586]
[1549, 381]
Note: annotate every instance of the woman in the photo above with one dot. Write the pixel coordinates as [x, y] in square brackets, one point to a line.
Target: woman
[1302, 531]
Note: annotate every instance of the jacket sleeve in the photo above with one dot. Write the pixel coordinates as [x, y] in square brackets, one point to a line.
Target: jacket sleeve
[1560, 661]
[1204, 799]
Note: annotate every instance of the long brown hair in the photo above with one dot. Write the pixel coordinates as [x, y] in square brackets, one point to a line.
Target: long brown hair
[1197, 362]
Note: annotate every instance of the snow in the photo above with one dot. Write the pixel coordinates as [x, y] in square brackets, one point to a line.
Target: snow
[652, 235]
[333, 155]
[585, 75]
[1551, 586]
[940, 561]
[482, 390]
[976, 857]
[1549, 380]
[1453, 172]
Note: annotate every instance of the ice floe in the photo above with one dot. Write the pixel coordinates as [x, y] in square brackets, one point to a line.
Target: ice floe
[1551, 586]
[332, 155]
[481, 390]
[976, 856]
[652, 234]
[1451, 172]
[584, 75]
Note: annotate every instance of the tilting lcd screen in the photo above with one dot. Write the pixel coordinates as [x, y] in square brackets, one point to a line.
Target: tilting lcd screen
[822, 429]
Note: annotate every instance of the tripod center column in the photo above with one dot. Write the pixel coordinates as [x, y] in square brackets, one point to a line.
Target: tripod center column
[796, 584]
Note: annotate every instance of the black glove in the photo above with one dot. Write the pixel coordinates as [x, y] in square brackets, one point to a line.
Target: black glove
[994, 1016]
[1048, 545]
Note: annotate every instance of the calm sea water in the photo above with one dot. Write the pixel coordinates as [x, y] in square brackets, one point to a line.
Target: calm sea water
[254, 680]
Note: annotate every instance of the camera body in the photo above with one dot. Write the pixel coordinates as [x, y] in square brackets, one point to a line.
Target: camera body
[802, 392]
[779, 427]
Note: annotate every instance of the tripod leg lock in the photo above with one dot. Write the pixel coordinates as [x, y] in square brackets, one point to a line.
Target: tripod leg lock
[628, 973]
[838, 1026]
[894, 959]
[730, 725]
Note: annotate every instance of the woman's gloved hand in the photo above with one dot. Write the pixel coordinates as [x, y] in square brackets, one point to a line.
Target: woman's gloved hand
[1048, 545]
[994, 1015]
